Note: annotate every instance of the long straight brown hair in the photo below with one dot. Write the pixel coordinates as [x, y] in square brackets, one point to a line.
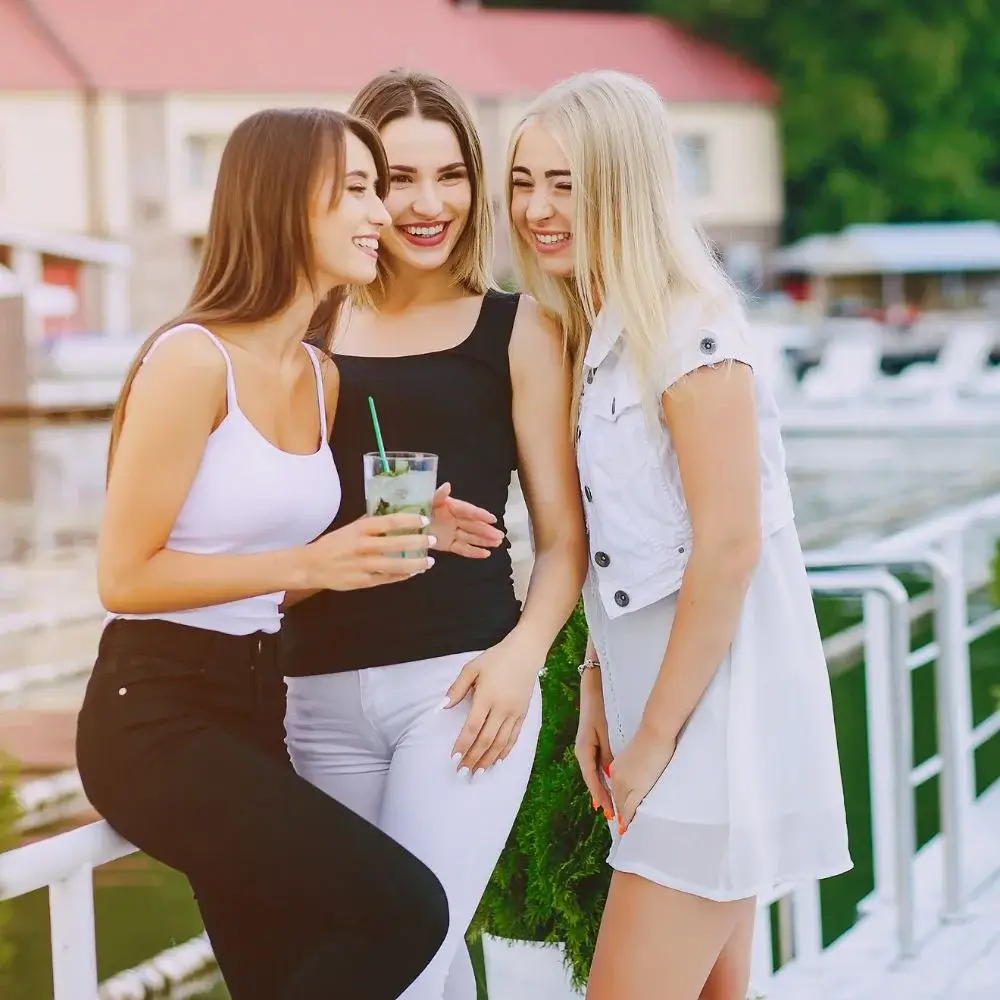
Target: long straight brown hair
[258, 246]
[400, 93]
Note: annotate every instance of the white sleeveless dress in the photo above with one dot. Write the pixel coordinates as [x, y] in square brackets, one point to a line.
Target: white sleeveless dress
[752, 799]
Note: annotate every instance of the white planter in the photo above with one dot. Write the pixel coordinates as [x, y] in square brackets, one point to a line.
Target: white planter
[519, 970]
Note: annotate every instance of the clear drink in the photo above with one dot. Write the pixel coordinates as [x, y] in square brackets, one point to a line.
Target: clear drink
[404, 484]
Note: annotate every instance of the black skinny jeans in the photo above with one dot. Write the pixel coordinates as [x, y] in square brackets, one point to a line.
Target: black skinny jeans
[181, 747]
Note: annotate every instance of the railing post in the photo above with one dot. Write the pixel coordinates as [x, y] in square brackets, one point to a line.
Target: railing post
[902, 739]
[954, 715]
[879, 581]
[807, 923]
[878, 704]
[761, 961]
[74, 941]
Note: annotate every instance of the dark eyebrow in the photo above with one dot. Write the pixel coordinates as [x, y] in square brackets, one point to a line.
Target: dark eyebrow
[548, 173]
[402, 168]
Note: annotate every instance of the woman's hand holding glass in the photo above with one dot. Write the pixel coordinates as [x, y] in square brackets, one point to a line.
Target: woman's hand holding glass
[366, 553]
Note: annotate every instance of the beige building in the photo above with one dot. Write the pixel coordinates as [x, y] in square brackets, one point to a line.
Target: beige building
[116, 136]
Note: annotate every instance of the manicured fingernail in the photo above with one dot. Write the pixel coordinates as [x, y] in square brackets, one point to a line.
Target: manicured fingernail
[478, 771]
[464, 772]
[444, 704]
[431, 541]
[424, 521]
[430, 561]
[499, 760]
[456, 758]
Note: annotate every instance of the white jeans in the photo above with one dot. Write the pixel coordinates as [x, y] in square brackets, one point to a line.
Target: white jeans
[377, 741]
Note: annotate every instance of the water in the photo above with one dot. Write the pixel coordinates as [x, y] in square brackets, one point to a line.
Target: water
[51, 488]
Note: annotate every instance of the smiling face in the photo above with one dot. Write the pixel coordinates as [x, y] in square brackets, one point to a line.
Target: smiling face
[430, 195]
[541, 204]
[346, 226]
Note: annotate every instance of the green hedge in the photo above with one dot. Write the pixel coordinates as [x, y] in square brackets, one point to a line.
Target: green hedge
[996, 575]
[8, 817]
[552, 879]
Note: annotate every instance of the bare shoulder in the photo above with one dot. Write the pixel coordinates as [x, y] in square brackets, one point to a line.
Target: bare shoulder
[186, 361]
[537, 336]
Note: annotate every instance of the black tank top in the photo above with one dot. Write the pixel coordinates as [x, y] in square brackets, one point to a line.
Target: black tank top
[456, 404]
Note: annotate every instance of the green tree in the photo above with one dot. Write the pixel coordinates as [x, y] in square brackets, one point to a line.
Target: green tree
[889, 108]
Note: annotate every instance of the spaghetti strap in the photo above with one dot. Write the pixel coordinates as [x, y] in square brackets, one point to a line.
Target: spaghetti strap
[231, 401]
[320, 390]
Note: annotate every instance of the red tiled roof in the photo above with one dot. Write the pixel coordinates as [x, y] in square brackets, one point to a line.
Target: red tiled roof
[28, 60]
[301, 46]
[543, 47]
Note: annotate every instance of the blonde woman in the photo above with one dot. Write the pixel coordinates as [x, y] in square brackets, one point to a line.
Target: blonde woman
[706, 726]
[473, 375]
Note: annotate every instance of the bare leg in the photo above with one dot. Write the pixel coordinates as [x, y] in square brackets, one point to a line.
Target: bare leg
[730, 977]
[657, 943]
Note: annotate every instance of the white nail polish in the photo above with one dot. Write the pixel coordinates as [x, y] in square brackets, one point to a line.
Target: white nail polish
[430, 561]
[444, 704]
[424, 521]
[464, 773]
[479, 771]
[431, 541]
[456, 758]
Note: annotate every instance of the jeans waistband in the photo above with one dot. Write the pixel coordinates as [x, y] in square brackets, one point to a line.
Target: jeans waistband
[187, 642]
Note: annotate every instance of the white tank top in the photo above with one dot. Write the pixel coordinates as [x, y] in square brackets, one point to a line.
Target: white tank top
[249, 496]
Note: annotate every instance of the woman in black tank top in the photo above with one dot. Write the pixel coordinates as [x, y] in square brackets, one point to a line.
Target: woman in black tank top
[422, 715]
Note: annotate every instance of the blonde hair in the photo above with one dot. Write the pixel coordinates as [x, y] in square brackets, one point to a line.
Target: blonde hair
[402, 93]
[258, 245]
[634, 243]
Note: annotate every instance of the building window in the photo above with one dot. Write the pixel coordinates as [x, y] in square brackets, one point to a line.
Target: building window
[203, 155]
[693, 164]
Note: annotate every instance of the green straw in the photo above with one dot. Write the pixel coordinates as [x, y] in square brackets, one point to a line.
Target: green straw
[378, 435]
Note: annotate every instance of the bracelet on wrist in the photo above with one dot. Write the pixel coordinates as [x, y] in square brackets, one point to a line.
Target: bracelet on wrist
[588, 664]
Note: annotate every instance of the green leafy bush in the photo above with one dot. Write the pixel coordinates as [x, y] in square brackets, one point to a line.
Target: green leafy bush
[552, 879]
[996, 576]
[8, 817]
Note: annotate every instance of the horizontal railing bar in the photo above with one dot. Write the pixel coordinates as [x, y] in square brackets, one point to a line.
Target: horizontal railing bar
[982, 626]
[37, 865]
[936, 528]
[986, 730]
[930, 768]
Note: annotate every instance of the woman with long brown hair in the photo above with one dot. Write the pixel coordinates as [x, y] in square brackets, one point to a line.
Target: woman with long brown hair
[428, 728]
[219, 480]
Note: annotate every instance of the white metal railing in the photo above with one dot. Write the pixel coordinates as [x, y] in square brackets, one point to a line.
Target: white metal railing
[65, 863]
[936, 548]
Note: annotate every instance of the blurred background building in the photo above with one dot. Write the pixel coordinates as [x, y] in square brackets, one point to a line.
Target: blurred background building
[113, 116]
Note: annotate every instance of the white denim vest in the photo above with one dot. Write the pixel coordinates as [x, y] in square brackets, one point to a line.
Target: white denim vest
[637, 519]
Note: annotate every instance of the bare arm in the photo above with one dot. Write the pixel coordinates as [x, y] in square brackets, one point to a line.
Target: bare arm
[547, 470]
[712, 422]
